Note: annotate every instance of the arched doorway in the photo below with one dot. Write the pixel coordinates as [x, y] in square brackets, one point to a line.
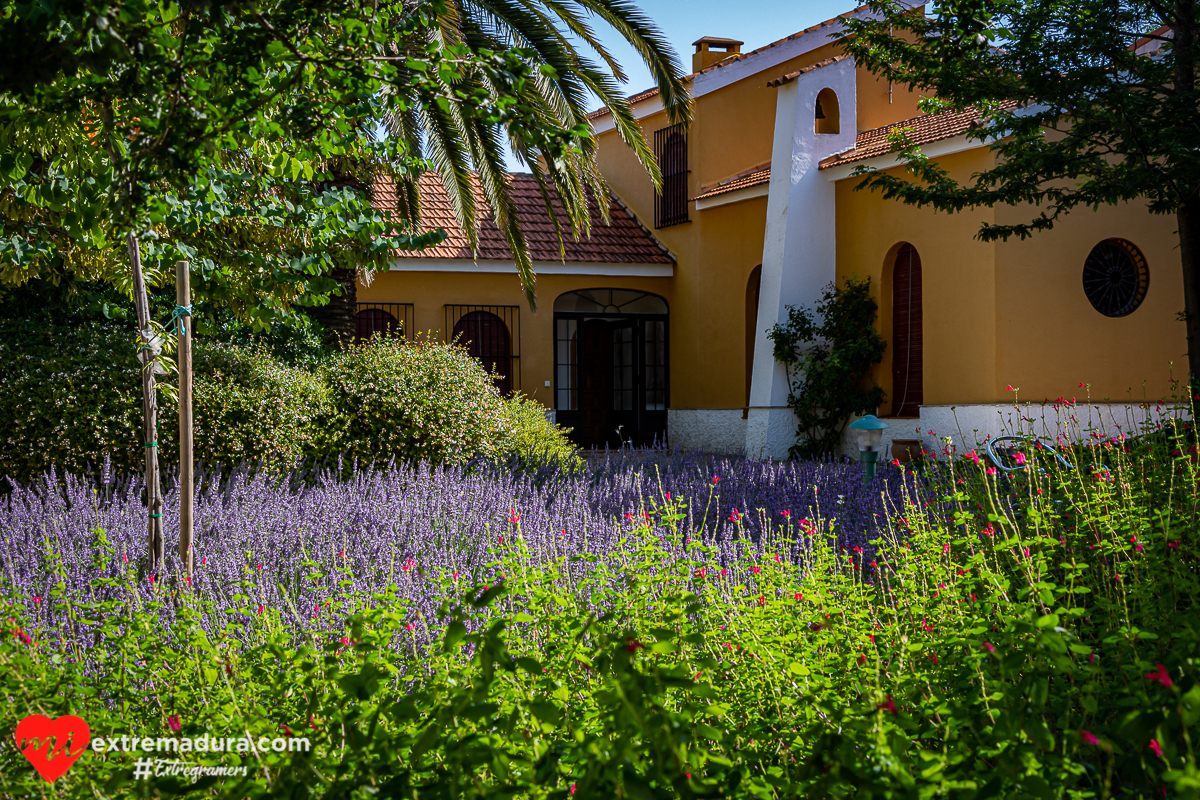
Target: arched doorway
[486, 338]
[907, 353]
[611, 366]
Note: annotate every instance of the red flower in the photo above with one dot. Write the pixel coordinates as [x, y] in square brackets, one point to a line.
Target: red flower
[799, 597]
[634, 644]
[700, 572]
[1173, 545]
[1156, 747]
[715, 479]
[286, 730]
[572, 788]
[991, 648]
[786, 513]
[889, 706]
[1161, 675]
[755, 570]
[1088, 738]
[173, 722]
[514, 518]
[762, 599]
[260, 609]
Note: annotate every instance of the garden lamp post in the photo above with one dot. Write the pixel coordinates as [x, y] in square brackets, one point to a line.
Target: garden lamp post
[870, 436]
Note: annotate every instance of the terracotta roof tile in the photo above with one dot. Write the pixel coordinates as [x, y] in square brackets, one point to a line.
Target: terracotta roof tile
[751, 177]
[922, 130]
[791, 76]
[625, 240]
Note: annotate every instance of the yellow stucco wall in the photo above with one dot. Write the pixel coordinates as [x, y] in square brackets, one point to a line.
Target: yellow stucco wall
[1050, 338]
[958, 276]
[431, 292]
[1015, 312]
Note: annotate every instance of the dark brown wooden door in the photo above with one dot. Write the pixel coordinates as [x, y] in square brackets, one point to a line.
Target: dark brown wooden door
[596, 388]
[907, 389]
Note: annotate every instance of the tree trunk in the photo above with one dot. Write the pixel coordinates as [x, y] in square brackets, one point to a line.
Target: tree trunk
[339, 315]
[154, 526]
[1188, 217]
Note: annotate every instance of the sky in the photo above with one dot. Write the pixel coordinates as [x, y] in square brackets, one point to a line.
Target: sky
[755, 22]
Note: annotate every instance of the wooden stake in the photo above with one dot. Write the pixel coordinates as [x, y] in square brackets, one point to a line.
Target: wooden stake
[183, 297]
[154, 528]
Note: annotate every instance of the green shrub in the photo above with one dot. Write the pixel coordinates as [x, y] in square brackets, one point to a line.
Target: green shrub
[411, 401]
[827, 355]
[70, 396]
[533, 438]
[73, 397]
[249, 407]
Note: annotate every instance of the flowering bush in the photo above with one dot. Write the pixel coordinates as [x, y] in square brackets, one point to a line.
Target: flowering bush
[533, 438]
[72, 401]
[677, 626]
[248, 406]
[411, 401]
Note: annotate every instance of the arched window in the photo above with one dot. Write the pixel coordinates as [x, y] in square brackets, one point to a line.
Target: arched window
[907, 370]
[1115, 277]
[610, 301]
[486, 338]
[753, 285]
[371, 321]
[828, 116]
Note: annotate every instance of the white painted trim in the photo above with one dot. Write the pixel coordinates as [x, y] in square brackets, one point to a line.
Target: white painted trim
[736, 196]
[540, 267]
[769, 59]
[641, 109]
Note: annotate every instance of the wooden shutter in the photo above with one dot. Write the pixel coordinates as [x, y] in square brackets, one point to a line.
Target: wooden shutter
[907, 363]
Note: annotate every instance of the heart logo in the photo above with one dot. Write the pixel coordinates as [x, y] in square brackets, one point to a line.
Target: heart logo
[44, 742]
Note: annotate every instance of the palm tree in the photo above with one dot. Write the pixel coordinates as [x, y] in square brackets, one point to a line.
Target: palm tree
[545, 33]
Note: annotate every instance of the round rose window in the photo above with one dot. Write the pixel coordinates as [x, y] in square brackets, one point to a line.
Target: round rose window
[1115, 277]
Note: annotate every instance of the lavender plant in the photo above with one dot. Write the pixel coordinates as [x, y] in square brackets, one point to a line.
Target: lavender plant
[659, 625]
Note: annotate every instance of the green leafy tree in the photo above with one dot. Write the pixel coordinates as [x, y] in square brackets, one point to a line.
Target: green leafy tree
[827, 356]
[1089, 102]
[245, 139]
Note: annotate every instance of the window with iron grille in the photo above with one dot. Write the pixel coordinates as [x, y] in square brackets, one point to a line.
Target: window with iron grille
[491, 334]
[671, 203]
[391, 319]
